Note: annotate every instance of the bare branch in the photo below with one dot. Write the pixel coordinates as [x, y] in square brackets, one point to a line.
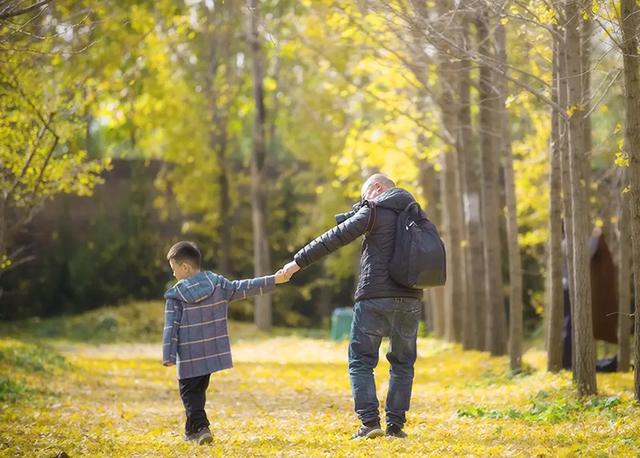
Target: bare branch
[604, 93]
[11, 11]
[27, 163]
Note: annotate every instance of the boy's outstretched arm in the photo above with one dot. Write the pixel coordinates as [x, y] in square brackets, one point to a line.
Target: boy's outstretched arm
[172, 318]
[281, 276]
[234, 290]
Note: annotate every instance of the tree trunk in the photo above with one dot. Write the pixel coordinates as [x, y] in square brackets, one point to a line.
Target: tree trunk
[261, 250]
[629, 23]
[218, 49]
[586, 31]
[515, 261]
[584, 348]
[567, 210]
[474, 319]
[624, 283]
[554, 248]
[224, 203]
[434, 297]
[450, 185]
[490, 134]
[454, 286]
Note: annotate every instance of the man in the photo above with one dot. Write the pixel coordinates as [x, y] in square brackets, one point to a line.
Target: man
[383, 308]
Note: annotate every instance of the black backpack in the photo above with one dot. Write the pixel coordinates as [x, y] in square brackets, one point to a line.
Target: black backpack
[419, 256]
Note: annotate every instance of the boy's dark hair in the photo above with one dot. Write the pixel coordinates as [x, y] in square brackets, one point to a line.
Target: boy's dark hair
[185, 252]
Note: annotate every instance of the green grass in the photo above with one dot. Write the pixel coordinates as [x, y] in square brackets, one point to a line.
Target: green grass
[21, 361]
[30, 357]
[556, 407]
[10, 390]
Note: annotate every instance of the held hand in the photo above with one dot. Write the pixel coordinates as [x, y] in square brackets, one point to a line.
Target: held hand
[281, 277]
[290, 269]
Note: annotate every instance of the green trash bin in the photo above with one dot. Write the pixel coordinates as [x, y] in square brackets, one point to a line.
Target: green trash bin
[341, 323]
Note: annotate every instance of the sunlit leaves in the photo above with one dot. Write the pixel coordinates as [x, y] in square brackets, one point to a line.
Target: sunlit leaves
[622, 159]
[41, 137]
[290, 396]
[540, 10]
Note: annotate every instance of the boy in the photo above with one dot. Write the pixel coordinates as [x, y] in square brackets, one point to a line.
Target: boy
[195, 336]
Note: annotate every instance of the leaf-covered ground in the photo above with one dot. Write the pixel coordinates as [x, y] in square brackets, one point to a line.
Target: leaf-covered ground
[290, 396]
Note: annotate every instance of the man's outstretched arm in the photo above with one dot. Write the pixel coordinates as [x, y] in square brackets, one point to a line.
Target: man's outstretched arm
[339, 236]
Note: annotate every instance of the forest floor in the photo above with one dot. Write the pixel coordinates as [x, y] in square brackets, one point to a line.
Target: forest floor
[289, 395]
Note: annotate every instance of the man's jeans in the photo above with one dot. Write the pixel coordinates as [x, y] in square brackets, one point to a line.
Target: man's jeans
[193, 392]
[373, 319]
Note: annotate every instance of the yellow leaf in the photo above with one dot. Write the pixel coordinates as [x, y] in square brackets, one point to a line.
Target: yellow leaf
[622, 160]
[572, 110]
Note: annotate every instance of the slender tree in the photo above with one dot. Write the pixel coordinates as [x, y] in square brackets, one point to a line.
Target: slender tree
[584, 346]
[624, 282]
[463, 312]
[450, 184]
[554, 247]
[434, 299]
[474, 319]
[261, 250]
[586, 33]
[489, 124]
[219, 47]
[567, 206]
[629, 25]
[513, 247]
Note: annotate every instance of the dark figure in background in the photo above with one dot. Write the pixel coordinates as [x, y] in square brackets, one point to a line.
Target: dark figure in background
[604, 303]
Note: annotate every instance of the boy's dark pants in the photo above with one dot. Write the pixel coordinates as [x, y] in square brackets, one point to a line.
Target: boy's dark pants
[193, 392]
[373, 319]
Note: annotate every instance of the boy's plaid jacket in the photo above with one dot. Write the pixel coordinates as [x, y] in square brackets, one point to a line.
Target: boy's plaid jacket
[195, 335]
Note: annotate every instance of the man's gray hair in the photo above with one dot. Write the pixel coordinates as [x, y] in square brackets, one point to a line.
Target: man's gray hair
[381, 178]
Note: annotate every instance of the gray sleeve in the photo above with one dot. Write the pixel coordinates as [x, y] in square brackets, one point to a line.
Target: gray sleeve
[234, 290]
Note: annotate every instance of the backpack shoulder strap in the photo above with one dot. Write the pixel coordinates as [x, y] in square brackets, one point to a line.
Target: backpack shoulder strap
[413, 203]
[372, 216]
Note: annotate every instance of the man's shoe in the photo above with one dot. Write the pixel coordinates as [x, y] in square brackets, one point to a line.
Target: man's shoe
[368, 432]
[395, 431]
[203, 436]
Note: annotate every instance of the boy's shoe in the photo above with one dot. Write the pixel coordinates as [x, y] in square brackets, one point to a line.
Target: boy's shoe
[368, 432]
[395, 431]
